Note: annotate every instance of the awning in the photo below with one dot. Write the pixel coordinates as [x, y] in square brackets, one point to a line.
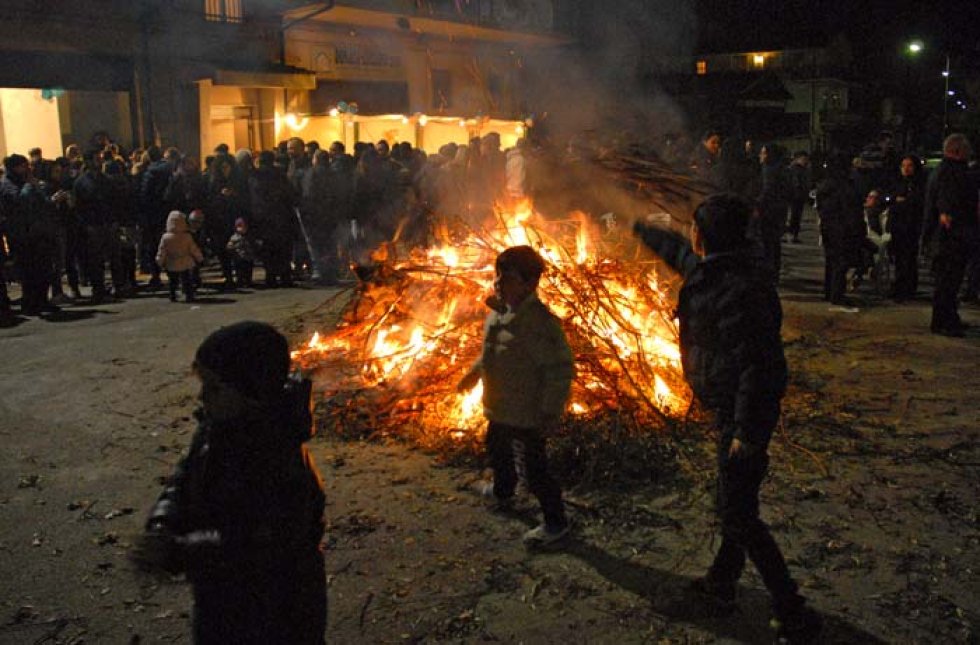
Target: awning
[294, 79]
[371, 97]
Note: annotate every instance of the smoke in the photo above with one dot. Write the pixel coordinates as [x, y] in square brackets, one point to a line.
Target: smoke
[603, 84]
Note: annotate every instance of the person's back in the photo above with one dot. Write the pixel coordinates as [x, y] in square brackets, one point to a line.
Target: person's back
[93, 199]
[156, 178]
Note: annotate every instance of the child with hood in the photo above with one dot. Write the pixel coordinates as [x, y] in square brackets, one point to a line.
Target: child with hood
[178, 254]
[242, 514]
[242, 253]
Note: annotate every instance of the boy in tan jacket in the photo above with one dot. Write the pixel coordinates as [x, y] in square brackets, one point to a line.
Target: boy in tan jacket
[527, 369]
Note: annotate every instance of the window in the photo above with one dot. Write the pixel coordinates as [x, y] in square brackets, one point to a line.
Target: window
[442, 89]
[223, 10]
[702, 66]
[758, 60]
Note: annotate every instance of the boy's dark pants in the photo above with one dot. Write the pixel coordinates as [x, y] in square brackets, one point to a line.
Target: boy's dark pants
[500, 446]
[743, 533]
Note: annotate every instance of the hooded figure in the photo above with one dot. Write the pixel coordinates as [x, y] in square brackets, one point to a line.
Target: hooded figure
[242, 514]
[178, 252]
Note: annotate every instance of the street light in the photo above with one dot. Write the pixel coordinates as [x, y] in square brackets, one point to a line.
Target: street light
[948, 93]
[912, 50]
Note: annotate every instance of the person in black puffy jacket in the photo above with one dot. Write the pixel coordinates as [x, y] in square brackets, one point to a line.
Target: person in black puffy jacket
[732, 355]
[242, 514]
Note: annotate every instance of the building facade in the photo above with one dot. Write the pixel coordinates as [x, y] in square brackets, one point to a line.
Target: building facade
[194, 73]
[799, 97]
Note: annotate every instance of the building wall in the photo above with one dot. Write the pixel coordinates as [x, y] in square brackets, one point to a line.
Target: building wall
[28, 121]
[480, 77]
[85, 113]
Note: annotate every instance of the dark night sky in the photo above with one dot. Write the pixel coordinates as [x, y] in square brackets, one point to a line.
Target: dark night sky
[875, 28]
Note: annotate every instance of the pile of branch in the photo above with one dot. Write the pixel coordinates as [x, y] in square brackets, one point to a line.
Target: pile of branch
[608, 307]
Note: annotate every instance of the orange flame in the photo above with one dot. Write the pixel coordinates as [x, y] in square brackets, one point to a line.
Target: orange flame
[422, 337]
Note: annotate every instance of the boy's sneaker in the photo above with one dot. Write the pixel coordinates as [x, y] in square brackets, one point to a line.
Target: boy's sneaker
[544, 535]
[484, 488]
[720, 595]
[800, 627]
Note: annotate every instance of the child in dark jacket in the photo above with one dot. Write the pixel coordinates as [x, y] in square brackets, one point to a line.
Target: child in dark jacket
[242, 253]
[732, 355]
[242, 514]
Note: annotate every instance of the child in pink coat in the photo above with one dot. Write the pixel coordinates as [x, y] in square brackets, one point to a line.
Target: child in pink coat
[178, 255]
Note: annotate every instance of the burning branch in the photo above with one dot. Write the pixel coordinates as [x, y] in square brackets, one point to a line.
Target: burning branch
[412, 328]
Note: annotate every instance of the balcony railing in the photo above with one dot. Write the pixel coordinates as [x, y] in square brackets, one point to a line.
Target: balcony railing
[223, 11]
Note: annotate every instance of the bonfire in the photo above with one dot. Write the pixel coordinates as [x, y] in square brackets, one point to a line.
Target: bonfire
[412, 327]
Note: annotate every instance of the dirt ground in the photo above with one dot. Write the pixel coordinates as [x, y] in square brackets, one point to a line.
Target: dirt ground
[873, 495]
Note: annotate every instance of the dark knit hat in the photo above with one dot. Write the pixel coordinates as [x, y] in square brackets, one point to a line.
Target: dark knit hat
[522, 260]
[252, 357]
[723, 220]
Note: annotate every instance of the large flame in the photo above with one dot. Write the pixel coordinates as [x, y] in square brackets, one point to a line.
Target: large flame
[414, 331]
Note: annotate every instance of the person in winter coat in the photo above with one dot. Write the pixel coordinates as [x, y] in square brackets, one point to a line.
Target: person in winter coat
[799, 179]
[515, 173]
[320, 220]
[94, 207]
[32, 231]
[732, 356]
[122, 203]
[187, 190]
[58, 189]
[772, 205]
[842, 228]
[527, 368]
[225, 205]
[905, 216]
[153, 207]
[706, 162]
[957, 232]
[178, 254]
[242, 513]
[273, 219]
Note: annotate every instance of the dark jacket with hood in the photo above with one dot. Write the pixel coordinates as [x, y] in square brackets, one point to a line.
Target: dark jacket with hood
[730, 319]
[956, 196]
[245, 508]
[905, 221]
[94, 199]
[153, 208]
[273, 200]
[841, 210]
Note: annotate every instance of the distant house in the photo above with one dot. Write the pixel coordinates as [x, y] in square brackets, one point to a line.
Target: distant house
[798, 96]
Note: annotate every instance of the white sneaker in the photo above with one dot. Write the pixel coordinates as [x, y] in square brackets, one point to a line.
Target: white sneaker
[543, 535]
[483, 488]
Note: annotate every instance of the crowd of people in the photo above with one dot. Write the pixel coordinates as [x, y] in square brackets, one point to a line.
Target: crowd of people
[874, 206]
[298, 210]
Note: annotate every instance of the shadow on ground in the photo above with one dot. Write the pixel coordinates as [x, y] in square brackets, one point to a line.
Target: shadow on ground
[666, 592]
[74, 315]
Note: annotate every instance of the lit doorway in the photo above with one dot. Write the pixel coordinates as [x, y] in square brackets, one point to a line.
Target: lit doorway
[233, 125]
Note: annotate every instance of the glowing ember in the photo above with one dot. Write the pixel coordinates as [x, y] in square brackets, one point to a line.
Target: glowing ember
[408, 335]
